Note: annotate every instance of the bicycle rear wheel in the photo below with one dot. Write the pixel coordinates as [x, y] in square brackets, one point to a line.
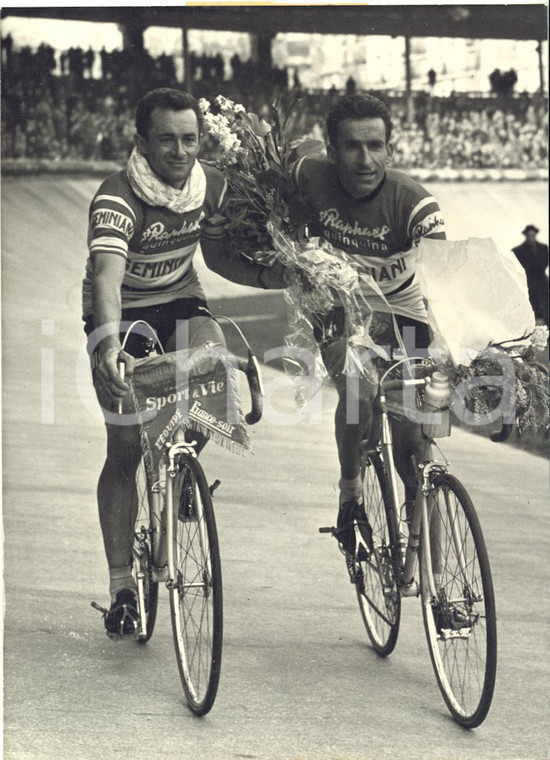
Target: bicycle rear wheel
[143, 554]
[377, 586]
[196, 597]
[458, 602]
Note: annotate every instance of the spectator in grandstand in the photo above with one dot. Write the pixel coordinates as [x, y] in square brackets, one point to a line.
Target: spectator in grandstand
[89, 58]
[63, 62]
[7, 45]
[509, 81]
[218, 67]
[76, 62]
[351, 86]
[533, 257]
[495, 78]
[105, 59]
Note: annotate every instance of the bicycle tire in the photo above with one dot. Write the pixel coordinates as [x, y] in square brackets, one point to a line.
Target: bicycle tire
[377, 585]
[460, 623]
[196, 596]
[143, 552]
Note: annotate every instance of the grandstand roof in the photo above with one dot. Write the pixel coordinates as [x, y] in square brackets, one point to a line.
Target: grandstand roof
[519, 22]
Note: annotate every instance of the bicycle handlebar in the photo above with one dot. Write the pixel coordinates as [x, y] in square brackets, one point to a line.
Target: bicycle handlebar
[251, 369]
[395, 385]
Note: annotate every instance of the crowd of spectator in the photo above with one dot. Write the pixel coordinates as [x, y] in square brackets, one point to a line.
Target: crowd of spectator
[58, 109]
[466, 133]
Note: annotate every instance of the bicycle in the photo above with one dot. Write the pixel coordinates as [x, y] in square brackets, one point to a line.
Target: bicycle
[176, 543]
[442, 538]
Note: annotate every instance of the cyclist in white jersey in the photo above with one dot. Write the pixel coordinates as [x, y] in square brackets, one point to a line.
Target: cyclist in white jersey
[377, 215]
[144, 227]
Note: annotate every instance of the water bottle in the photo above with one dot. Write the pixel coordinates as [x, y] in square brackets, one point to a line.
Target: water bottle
[436, 420]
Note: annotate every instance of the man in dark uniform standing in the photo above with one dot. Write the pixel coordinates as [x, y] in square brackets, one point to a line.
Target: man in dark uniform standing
[533, 257]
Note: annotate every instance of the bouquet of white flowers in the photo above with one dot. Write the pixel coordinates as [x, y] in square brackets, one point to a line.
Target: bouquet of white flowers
[256, 159]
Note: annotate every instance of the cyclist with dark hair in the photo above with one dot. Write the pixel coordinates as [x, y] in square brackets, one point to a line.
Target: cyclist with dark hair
[145, 224]
[377, 215]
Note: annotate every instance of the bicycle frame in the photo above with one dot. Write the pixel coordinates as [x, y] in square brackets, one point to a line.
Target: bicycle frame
[162, 522]
[445, 546]
[419, 526]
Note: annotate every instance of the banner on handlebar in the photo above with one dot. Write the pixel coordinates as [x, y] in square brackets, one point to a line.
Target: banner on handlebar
[196, 390]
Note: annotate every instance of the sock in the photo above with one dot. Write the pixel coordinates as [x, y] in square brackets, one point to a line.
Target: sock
[351, 490]
[120, 578]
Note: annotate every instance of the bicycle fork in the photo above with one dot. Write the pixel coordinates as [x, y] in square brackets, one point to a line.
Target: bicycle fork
[140, 579]
[419, 527]
[171, 516]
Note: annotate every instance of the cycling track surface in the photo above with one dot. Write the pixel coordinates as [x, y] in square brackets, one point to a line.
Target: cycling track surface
[298, 678]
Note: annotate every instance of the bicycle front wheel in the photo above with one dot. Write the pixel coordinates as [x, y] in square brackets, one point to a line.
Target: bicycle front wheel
[196, 596]
[377, 586]
[143, 555]
[458, 602]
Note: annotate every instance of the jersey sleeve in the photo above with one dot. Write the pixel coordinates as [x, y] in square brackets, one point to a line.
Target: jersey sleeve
[426, 221]
[214, 222]
[111, 224]
[216, 191]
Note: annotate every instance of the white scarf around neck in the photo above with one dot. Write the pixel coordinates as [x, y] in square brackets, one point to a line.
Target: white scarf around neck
[151, 189]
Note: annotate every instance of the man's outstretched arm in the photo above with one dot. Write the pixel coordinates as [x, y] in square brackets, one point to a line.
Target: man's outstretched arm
[221, 258]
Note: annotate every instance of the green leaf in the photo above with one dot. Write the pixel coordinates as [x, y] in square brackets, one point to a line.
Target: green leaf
[307, 146]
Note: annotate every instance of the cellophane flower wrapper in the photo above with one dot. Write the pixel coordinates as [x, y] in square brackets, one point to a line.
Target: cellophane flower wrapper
[480, 315]
[476, 295]
[328, 278]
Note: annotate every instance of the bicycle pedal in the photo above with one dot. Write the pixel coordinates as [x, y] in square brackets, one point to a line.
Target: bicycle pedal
[126, 636]
[326, 530]
[216, 484]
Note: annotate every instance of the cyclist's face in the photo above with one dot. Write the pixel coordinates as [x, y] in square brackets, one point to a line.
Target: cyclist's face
[361, 154]
[172, 144]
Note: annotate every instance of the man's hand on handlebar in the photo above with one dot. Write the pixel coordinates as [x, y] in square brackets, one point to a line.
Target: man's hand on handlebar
[108, 377]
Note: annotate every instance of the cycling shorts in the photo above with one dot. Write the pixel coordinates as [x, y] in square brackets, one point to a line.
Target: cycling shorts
[162, 317]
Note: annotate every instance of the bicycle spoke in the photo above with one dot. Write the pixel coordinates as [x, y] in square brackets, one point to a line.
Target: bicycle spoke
[460, 617]
[377, 591]
[196, 596]
[143, 553]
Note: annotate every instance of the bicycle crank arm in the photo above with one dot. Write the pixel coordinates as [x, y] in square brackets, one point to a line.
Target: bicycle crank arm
[98, 607]
[216, 484]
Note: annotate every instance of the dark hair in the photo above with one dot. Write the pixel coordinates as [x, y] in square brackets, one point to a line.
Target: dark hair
[164, 97]
[358, 106]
